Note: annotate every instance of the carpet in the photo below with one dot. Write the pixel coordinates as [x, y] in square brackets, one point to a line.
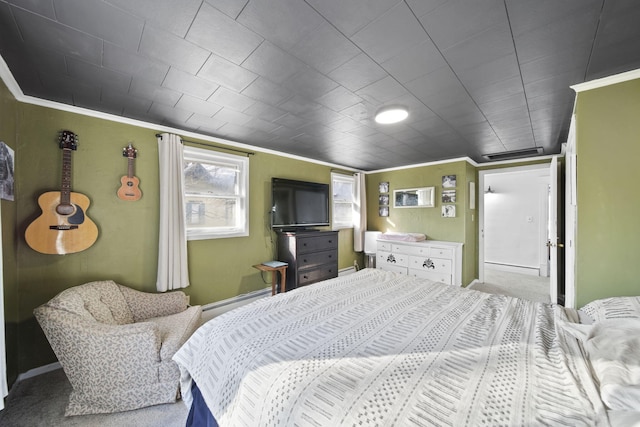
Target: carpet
[41, 400]
[532, 288]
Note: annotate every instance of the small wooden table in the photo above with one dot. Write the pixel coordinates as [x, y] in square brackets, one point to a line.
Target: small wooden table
[274, 270]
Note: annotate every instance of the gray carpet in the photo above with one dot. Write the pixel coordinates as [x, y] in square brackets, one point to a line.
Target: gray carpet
[41, 400]
[533, 288]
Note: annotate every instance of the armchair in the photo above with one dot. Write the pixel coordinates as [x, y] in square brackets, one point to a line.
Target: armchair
[115, 344]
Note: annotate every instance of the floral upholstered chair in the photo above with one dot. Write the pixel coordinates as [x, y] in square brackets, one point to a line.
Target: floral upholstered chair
[115, 344]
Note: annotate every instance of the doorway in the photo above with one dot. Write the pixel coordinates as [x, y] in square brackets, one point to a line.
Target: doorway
[513, 215]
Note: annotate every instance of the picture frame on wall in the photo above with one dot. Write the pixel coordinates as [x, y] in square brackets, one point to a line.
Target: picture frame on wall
[448, 211]
[383, 199]
[7, 165]
[383, 187]
[383, 210]
[448, 196]
[449, 181]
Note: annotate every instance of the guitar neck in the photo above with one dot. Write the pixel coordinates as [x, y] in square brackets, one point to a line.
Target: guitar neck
[130, 167]
[65, 191]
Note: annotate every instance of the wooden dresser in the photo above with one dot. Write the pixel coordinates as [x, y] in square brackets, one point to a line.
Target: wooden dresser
[312, 256]
[434, 260]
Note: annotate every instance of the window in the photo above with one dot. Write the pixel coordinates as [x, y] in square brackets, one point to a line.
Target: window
[342, 200]
[216, 189]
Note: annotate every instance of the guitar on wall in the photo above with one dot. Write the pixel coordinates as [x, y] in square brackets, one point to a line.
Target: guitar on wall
[130, 188]
[63, 227]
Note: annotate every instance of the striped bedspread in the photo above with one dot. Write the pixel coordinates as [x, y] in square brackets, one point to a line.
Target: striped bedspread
[377, 348]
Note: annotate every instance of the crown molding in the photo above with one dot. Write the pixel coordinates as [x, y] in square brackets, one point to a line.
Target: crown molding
[420, 165]
[16, 91]
[606, 81]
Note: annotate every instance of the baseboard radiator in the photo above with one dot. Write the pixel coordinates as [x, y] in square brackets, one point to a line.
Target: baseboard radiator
[216, 308]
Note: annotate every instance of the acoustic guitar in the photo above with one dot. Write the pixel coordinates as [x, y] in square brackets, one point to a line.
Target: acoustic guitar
[63, 227]
[130, 188]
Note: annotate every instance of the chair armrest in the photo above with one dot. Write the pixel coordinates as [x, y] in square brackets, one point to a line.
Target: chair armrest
[145, 305]
[93, 353]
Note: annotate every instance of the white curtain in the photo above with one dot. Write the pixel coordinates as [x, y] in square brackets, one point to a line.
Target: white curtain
[172, 250]
[360, 212]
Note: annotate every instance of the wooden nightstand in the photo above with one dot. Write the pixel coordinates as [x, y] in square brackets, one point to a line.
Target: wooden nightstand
[274, 276]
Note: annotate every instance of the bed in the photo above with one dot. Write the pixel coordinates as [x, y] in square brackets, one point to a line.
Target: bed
[382, 348]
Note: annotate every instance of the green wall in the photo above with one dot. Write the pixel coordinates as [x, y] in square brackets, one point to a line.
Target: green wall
[126, 249]
[608, 149]
[463, 228]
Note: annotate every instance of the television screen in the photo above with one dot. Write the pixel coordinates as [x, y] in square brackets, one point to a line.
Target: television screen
[299, 203]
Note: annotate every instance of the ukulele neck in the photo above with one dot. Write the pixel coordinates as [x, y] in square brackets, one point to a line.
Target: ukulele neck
[130, 167]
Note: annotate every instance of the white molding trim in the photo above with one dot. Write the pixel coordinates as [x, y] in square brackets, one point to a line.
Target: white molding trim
[38, 371]
[471, 162]
[419, 165]
[607, 81]
[473, 283]
[15, 90]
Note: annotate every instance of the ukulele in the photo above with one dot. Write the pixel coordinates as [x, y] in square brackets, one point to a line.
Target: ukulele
[63, 227]
[129, 190]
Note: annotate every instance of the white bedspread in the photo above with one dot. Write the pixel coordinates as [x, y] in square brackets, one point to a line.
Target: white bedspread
[380, 348]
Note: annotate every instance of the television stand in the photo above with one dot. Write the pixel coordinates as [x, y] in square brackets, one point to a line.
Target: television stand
[312, 256]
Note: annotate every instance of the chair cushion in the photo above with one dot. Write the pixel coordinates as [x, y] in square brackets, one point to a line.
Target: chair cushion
[175, 329]
[105, 302]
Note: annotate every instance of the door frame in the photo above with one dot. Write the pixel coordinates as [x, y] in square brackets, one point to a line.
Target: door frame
[481, 187]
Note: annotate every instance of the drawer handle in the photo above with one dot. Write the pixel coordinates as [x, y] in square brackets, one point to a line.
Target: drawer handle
[428, 263]
[391, 258]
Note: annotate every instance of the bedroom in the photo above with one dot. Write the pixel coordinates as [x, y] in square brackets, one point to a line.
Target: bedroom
[606, 244]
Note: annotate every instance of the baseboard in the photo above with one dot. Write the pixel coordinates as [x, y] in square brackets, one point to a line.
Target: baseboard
[38, 371]
[532, 271]
[348, 270]
[470, 285]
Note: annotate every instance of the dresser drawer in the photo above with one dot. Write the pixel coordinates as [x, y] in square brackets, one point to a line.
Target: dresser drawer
[421, 250]
[437, 252]
[391, 267]
[431, 264]
[390, 258]
[312, 259]
[317, 243]
[431, 275]
[384, 246]
[322, 272]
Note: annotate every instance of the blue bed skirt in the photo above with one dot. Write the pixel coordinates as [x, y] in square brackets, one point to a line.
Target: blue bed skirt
[199, 414]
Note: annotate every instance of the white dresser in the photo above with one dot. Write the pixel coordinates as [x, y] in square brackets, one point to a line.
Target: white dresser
[434, 260]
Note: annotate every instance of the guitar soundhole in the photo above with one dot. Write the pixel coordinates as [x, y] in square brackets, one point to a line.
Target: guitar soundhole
[129, 184]
[63, 209]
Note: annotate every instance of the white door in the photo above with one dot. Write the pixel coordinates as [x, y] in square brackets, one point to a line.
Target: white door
[553, 241]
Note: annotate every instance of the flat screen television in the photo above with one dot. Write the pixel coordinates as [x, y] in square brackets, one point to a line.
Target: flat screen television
[298, 204]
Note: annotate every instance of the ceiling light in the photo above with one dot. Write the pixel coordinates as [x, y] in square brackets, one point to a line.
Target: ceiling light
[391, 115]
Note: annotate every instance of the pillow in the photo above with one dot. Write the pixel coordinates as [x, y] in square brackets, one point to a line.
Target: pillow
[403, 237]
[613, 349]
[612, 308]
